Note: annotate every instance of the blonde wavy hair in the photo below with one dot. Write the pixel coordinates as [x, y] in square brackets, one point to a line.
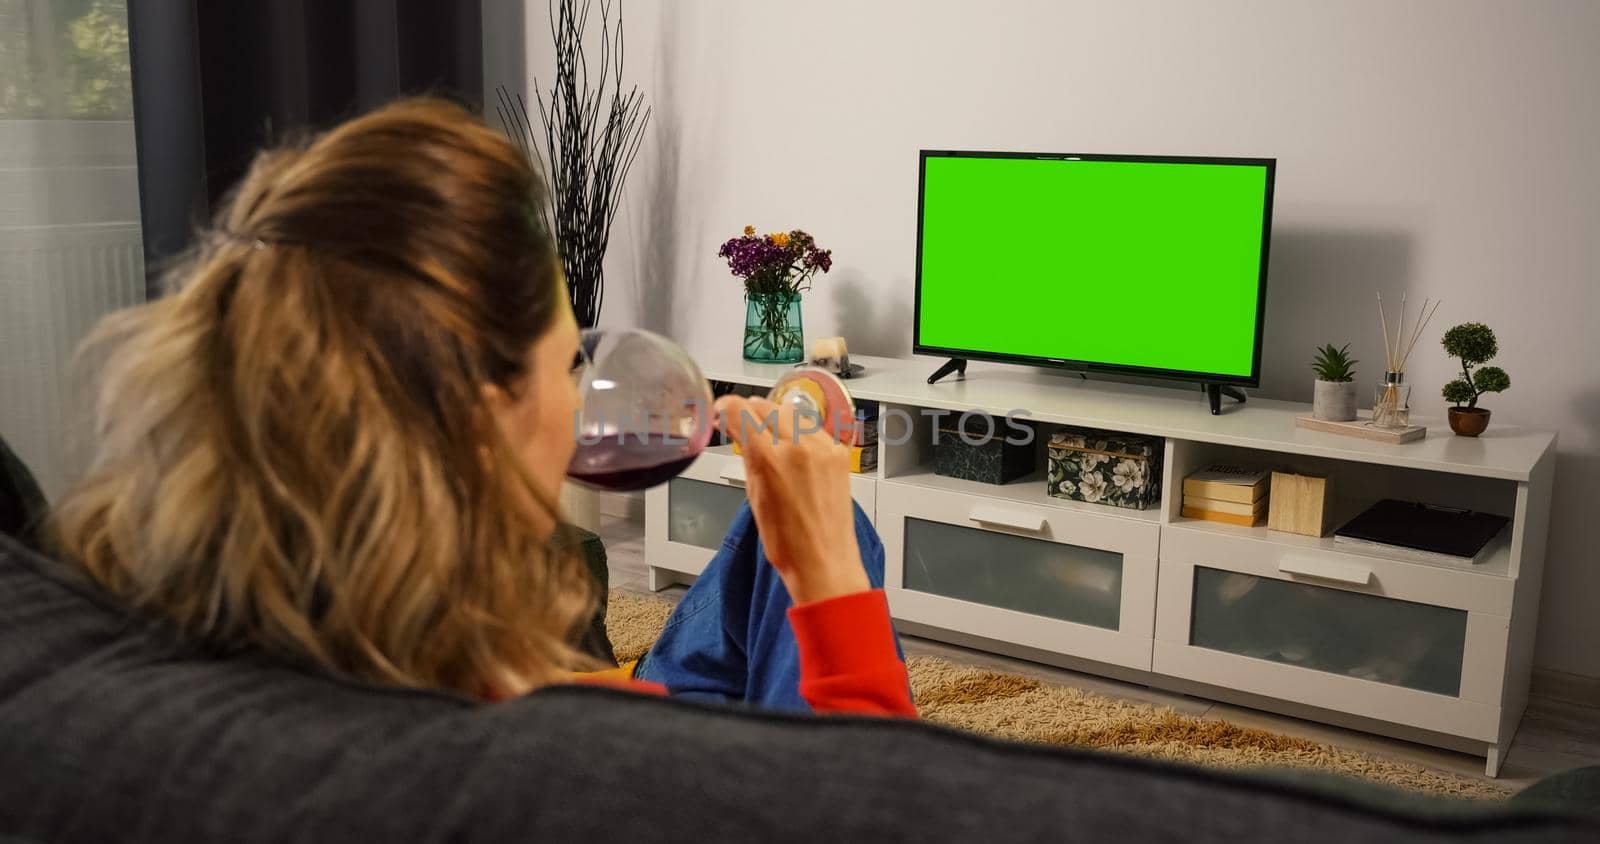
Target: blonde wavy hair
[292, 446]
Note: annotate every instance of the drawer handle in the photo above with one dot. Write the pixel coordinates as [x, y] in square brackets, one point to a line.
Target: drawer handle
[1020, 520]
[1352, 573]
[733, 473]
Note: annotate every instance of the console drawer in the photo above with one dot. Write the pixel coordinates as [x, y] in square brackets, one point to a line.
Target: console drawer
[1065, 581]
[1394, 641]
[1479, 588]
[687, 517]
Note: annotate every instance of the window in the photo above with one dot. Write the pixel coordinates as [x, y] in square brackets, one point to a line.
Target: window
[70, 246]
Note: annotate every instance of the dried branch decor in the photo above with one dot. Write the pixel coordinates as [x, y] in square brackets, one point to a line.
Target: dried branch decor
[591, 135]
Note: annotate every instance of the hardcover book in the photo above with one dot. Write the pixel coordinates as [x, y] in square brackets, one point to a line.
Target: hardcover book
[1217, 505]
[1228, 482]
[1246, 520]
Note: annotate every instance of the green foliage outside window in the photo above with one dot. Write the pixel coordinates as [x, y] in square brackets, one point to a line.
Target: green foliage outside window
[65, 59]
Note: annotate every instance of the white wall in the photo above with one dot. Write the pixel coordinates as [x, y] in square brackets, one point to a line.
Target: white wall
[1444, 148]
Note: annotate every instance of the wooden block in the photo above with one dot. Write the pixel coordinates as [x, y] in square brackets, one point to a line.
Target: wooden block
[1300, 504]
[1362, 428]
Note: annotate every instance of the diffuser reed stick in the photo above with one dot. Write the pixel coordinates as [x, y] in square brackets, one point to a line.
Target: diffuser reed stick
[1398, 331]
[1383, 322]
[1427, 315]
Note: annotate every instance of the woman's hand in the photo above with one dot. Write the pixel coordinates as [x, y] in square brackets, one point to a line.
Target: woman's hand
[799, 491]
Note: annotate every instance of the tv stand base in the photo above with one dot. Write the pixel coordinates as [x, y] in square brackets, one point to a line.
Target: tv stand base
[1215, 392]
[956, 365]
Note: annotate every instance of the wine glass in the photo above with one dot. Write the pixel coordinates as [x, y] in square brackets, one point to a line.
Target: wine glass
[818, 400]
[646, 410]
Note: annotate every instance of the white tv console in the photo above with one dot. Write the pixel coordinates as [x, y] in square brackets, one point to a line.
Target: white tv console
[1434, 653]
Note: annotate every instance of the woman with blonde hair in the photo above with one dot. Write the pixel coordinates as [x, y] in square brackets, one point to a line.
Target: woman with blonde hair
[340, 437]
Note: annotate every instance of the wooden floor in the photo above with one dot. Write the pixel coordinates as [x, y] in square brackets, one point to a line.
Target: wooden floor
[1554, 736]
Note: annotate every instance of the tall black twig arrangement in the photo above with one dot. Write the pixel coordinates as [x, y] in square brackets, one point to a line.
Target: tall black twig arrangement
[591, 136]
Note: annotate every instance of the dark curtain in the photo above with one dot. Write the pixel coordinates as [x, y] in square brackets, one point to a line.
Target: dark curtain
[216, 80]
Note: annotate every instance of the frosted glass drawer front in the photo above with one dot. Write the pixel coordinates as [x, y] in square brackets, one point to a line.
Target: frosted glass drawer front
[1384, 640]
[699, 512]
[1038, 577]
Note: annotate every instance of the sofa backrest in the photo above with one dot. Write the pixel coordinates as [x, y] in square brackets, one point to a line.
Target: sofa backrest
[112, 729]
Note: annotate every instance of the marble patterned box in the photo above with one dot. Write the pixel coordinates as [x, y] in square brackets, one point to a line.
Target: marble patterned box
[1105, 467]
[984, 454]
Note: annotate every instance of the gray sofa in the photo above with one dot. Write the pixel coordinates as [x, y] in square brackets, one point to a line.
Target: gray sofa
[112, 730]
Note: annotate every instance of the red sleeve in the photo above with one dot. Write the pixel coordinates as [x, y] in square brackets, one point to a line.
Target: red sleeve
[848, 661]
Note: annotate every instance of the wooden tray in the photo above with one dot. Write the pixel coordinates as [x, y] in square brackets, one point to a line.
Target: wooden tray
[1361, 427]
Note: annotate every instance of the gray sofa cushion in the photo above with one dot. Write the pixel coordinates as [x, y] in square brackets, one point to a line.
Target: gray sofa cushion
[110, 729]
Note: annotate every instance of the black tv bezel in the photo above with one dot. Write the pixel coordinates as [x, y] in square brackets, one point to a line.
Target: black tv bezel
[1252, 380]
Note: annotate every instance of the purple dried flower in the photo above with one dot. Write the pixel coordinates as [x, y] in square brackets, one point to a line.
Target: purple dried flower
[783, 262]
[822, 259]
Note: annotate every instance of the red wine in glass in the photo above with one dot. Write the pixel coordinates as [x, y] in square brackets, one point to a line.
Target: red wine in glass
[645, 412]
[632, 462]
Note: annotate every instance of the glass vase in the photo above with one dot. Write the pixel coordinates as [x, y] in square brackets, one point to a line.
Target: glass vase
[1391, 406]
[772, 329]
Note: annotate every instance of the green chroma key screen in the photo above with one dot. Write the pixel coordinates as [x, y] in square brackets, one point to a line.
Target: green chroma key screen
[1153, 264]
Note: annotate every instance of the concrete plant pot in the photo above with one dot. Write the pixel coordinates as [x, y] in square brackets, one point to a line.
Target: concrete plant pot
[1334, 401]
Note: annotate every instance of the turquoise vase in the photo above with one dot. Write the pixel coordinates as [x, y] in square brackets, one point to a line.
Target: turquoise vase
[772, 331]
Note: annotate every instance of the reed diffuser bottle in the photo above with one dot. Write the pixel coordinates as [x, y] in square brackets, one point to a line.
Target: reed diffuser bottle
[1391, 408]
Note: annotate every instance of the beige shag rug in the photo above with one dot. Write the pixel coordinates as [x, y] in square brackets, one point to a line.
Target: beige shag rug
[1024, 709]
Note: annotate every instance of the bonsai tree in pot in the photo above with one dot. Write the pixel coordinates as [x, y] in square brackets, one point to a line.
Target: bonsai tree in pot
[1474, 343]
[1334, 398]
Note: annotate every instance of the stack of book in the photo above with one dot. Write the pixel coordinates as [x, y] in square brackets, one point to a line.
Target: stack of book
[1235, 495]
[863, 440]
[862, 437]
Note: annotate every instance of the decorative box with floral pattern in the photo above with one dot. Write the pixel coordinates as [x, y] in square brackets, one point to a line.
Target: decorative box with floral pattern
[983, 453]
[1103, 467]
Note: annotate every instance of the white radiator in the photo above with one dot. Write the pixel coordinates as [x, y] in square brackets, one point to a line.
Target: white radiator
[55, 283]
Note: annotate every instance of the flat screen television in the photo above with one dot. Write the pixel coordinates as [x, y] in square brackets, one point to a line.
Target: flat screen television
[1148, 265]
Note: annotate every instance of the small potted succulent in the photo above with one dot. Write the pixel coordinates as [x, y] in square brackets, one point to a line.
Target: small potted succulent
[1334, 398]
[1474, 343]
